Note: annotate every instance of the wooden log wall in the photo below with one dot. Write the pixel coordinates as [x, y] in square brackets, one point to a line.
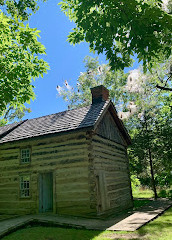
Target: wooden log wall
[111, 175]
[107, 128]
[66, 156]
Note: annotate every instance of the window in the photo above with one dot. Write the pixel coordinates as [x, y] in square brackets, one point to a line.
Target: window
[25, 155]
[24, 186]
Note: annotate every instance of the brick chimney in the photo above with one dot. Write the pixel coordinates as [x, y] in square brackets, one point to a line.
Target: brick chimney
[99, 94]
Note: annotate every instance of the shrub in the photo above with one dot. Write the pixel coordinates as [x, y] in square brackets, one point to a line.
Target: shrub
[135, 183]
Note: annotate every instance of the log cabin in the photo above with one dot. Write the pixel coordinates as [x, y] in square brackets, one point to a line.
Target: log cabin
[69, 163]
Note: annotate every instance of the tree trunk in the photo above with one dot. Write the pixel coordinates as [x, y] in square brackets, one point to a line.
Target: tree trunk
[152, 175]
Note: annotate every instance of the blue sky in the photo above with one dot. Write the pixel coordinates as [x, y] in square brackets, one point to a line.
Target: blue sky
[65, 60]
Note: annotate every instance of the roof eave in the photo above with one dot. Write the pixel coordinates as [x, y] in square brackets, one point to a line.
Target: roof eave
[120, 124]
[88, 128]
[102, 115]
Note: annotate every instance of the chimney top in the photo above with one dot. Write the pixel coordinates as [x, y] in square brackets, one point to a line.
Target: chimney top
[99, 94]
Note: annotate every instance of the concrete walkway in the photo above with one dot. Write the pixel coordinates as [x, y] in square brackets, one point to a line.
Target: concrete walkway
[127, 222]
[9, 225]
[144, 215]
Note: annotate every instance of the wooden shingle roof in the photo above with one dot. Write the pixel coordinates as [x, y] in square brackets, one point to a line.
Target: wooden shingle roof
[60, 122]
[7, 128]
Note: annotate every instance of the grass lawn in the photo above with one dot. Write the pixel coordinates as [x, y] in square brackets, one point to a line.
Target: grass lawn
[159, 229]
[146, 193]
[141, 198]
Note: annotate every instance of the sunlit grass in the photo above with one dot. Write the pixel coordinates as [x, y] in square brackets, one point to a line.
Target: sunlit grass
[146, 193]
[159, 229]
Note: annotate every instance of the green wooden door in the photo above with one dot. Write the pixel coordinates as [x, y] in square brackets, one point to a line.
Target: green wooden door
[46, 192]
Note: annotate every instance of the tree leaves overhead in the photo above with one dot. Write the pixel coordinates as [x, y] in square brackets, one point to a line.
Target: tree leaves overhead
[20, 8]
[121, 29]
[12, 114]
[20, 52]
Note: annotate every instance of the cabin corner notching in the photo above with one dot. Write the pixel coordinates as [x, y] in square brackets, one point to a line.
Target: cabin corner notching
[74, 162]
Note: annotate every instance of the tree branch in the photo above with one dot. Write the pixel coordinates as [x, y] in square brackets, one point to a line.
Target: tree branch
[163, 88]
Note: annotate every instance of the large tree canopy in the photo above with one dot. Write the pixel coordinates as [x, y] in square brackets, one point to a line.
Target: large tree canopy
[121, 29]
[20, 49]
[20, 8]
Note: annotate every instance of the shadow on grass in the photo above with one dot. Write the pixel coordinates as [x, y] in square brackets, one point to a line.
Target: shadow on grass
[140, 202]
[161, 225]
[43, 232]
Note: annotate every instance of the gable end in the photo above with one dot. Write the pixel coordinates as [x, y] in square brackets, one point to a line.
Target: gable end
[108, 128]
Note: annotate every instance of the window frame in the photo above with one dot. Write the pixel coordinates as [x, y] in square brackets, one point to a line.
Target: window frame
[22, 158]
[23, 188]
